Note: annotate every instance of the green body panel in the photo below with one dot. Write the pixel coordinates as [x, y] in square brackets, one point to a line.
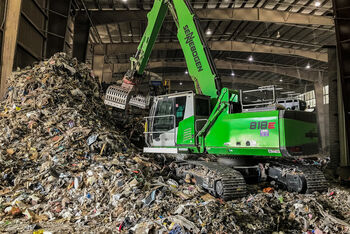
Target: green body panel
[186, 134]
[232, 132]
[282, 133]
[155, 20]
[245, 151]
[295, 132]
[197, 56]
[263, 133]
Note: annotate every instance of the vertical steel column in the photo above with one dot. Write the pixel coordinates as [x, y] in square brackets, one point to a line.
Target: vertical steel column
[98, 61]
[320, 111]
[81, 36]
[12, 17]
[342, 26]
[107, 73]
[333, 126]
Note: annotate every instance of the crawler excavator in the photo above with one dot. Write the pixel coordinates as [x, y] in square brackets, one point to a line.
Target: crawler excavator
[249, 141]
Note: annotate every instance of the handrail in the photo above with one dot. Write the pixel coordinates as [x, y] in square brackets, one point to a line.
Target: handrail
[265, 88]
[198, 120]
[171, 131]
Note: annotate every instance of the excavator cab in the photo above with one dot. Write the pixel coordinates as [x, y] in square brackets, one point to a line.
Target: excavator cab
[174, 120]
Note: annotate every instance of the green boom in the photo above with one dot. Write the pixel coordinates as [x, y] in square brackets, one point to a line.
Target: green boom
[197, 55]
[155, 20]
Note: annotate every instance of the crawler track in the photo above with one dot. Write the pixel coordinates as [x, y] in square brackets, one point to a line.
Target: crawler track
[298, 178]
[221, 181]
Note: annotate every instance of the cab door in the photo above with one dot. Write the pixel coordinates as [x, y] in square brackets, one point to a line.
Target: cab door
[167, 114]
[202, 112]
[196, 114]
[185, 120]
[162, 123]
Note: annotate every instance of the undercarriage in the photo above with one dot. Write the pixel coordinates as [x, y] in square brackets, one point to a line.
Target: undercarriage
[227, 178]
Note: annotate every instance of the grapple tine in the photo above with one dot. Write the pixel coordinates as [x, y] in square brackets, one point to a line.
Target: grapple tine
[140, 101]
[117, 96]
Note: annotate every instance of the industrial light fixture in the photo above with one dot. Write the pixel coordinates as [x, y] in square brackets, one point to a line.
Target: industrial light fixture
[308, 66]
[124, 0]
[251, 59]
[278, 34]
[180, 83]
[233, 73]
[208, 32]
[317, 4]
[186, 72]
[281, 80]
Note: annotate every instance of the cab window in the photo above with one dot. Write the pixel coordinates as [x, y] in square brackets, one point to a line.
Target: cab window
[202, 107]
[164, 120]
[180, 106]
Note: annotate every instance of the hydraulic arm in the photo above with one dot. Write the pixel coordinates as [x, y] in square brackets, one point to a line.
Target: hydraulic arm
[127, 93]
[200, 65]
[155, 20]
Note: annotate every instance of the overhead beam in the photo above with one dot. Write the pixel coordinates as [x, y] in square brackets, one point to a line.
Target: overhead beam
[175, 86]
[229, 80]
[264, 15]
[243, 14]
[189, 85]
[114, 49]
[224, 79]
[294, 72]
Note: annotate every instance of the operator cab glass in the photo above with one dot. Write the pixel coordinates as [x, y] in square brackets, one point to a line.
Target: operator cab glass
[202, 107]
[165, 108]
[180, 105]
[202, 111]
[166, 114]
[176, 118]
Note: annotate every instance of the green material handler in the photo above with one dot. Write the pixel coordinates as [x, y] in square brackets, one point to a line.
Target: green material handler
[251, 141]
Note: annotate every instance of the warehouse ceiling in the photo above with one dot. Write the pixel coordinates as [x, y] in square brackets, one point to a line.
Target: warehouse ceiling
[255, 42]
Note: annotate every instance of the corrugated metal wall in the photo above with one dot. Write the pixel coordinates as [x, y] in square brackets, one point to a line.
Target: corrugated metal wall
[34, 31]
[57, 26]
[31, 33]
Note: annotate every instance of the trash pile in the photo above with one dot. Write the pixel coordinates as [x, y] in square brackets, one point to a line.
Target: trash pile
[66, 166]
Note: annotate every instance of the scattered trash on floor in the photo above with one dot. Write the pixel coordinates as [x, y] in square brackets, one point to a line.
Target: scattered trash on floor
[68, 165]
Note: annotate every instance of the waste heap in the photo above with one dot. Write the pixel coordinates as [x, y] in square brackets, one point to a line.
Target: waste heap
[66, 166]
